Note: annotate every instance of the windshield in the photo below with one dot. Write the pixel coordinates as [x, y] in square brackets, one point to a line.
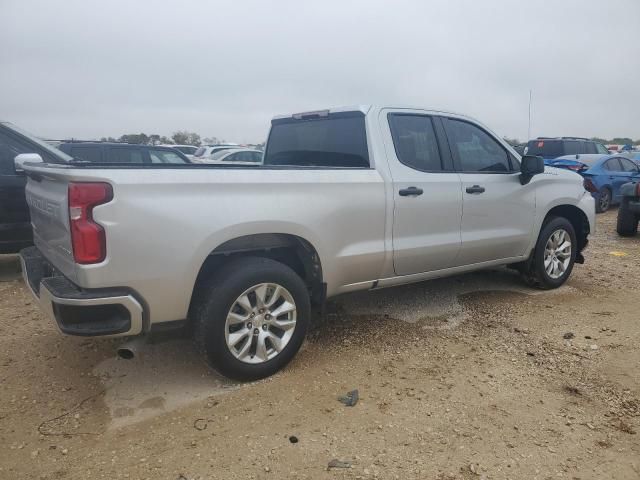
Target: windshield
[44, 145]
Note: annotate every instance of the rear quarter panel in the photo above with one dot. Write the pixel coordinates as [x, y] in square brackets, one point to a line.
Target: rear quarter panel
[162, 225]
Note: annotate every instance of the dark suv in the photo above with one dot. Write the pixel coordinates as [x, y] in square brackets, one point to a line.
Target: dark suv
[550, 148]
[15, 225]
[107, 152]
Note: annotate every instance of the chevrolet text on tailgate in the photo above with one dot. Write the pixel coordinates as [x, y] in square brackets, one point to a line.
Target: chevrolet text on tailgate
[346, 199]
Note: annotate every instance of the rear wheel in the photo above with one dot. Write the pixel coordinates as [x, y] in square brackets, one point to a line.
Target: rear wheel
[251, 317]
[604, 200]
[554, 255]
[627, 224]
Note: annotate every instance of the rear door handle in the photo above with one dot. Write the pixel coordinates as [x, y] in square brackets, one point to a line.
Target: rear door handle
[475, 189]
[411, 192]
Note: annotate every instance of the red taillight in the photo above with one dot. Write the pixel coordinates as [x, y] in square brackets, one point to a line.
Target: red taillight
[87, 237]
[589, 186]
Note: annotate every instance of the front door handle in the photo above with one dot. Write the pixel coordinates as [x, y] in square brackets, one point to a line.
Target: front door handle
[475, 189]
[411, 192]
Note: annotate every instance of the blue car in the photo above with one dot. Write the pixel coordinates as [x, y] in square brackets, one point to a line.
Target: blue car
[603, 175]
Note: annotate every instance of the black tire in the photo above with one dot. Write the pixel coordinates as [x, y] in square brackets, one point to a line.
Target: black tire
[535, 273]
[216, 297]
[603, 201]
[627, 223]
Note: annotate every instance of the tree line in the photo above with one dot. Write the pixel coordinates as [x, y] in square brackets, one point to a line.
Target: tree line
[181, 137]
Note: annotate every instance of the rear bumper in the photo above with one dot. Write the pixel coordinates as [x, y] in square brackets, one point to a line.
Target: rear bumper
[111, 312]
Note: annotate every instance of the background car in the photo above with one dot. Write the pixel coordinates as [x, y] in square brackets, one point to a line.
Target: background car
[187, 150]
[236, 156]
[603, 176]
[15, 224]
[107, 152]
[632, 155]
[550, 148]
[204, 152]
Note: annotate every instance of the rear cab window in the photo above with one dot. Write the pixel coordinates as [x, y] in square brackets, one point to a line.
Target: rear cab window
[329, 140]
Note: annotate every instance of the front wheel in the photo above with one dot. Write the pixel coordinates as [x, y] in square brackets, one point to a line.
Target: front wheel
[554, 255]
[251, 317]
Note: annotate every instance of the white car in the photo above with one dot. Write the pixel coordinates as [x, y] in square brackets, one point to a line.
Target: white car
[204, 152]
[236, 156]
[187, 150]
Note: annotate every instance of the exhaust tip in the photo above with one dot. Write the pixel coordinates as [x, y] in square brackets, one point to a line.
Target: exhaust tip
[125, 353]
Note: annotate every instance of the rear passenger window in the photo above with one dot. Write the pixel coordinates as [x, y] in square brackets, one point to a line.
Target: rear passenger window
[125, 155]
[613, 165]
[414, 140]
[571, 147]
[88, 154]
[590, 147]
[476, 150]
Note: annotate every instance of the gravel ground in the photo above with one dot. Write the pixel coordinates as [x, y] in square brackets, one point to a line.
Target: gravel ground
[470, 377]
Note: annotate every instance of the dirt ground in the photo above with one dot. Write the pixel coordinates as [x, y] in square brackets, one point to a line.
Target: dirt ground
[471, 377]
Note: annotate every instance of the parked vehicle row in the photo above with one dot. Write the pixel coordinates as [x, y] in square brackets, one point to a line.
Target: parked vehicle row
[345, 199]
[187, 150]
[106, 152]
[550, 148]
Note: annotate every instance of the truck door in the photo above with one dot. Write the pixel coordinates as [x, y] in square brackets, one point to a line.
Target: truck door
[498, 216]
[426, 193]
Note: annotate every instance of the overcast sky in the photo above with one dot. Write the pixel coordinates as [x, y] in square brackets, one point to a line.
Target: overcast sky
[87, 69]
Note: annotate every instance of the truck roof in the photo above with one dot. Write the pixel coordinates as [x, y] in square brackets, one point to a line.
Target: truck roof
[364, 109]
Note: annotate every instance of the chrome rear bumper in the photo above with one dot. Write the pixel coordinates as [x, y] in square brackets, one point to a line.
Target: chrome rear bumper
[112, 312]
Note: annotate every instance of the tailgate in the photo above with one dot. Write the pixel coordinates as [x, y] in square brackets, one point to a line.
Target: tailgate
[48, 204]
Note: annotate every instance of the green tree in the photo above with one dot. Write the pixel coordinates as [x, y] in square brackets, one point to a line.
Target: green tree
[137, 138]
[622, 140]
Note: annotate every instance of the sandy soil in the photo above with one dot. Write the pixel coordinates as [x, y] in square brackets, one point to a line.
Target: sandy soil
[468, 377]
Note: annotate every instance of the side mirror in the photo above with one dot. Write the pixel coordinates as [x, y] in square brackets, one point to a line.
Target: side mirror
[20, 160]
[530, 165]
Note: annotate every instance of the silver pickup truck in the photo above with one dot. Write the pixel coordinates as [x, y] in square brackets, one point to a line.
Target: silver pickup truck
[346, 199]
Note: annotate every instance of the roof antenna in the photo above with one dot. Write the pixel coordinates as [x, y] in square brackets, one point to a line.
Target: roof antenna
[529, 131]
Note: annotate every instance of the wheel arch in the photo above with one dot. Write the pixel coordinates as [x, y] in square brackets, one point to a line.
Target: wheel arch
[291, 250]
[578, 219]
